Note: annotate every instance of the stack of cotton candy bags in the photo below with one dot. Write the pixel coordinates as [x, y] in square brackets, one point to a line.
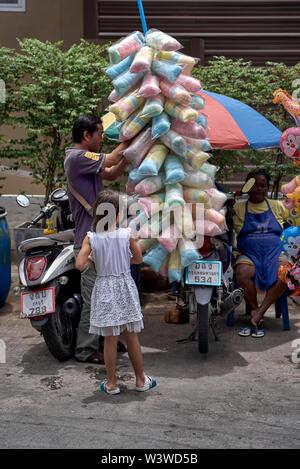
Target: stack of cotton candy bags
[157, 105]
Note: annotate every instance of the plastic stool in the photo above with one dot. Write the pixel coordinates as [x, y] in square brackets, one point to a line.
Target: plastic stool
[281, 309]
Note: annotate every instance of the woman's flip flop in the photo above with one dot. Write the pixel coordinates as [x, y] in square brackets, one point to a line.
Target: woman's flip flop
[149, 383]
[104, 388]
[245, 331]
[258, 333]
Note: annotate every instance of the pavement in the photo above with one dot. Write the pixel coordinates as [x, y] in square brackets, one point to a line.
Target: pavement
[243, 394]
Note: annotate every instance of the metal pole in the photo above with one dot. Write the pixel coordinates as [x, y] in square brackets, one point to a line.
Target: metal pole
[142, 15]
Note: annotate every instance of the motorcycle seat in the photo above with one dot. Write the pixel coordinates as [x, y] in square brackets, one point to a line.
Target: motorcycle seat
[63, 236]
[34, 243]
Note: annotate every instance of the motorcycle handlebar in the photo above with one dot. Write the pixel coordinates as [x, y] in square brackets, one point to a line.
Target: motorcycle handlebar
[45, 212]
[37, 218]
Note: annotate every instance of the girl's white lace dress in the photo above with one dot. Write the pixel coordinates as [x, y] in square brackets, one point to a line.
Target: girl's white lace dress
[115, 304]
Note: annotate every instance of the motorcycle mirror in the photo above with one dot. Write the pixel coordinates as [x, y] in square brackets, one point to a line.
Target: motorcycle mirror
[23, 201]
[57, 194]
[248, 185]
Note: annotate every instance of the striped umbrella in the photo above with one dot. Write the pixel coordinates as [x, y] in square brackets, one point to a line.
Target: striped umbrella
[233, 125]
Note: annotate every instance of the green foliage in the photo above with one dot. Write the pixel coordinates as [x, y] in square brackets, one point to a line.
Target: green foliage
[47, 89]
[254, 86]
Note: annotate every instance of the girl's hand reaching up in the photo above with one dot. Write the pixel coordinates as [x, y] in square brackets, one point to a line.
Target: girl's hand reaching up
[84, 258]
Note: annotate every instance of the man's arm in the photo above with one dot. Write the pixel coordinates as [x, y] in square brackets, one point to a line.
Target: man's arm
[115, 156]
[112, 173]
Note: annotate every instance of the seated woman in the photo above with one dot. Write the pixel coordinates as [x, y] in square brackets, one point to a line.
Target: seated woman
[258, 223]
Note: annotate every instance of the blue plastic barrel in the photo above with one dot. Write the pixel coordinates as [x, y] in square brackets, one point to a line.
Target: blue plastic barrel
[5, 271]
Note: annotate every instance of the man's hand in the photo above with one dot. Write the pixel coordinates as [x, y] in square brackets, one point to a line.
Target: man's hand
[111, 174]
[257, 319]
[116, 155]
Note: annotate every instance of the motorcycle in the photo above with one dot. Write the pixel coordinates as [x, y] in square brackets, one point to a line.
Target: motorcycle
[50, 296]
[207, 288]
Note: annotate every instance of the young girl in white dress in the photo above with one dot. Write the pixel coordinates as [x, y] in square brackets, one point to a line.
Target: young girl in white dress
[115, 305]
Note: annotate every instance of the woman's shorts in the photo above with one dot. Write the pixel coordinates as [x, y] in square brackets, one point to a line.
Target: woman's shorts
[242, 259]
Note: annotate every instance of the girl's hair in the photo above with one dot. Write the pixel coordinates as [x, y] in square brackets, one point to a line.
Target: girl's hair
[110, 211]
[258, 172]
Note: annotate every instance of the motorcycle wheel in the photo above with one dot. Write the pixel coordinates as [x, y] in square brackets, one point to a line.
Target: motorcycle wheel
[203, 326]
[60, 344]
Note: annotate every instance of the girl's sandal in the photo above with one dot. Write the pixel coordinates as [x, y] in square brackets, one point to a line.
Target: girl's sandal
[104, 388]
[149, 384]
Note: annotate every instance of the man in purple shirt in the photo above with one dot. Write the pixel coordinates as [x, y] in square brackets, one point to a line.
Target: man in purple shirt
[85, 169]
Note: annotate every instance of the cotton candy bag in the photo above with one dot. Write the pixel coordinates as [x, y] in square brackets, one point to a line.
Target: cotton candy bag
[123, 83]
[142, 60]
[175, 92]
[188, 252]
[217, 198]
[173, 169]
[169, 238]
[182, 113]
[197, 179]
[123, 108]
[188, 129]
[139, 147]
[200, 144]
[159, 40]
[174, 268]
[147, 244]
[150, 185]
[191, 84]
[160, 125]
[177, 58]
[153, 107]
[125, 47]
[155, 257]
[153, 161]
[175, 142]
[196, 158]
[153, 203]
[150, 86]
[192, 195]
[133, 125]
[184, 221]
[166, 70]
[118, 69]
[174, 196]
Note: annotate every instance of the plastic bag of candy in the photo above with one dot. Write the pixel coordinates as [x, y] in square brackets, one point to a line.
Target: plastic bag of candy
[153, 161]
[123, 108]
[139, 147]
[150, 86]
[184, 114]
[173, 169]
[160, 125]
[162, 41]
[142, 60]
[153, 107]
[125, 47]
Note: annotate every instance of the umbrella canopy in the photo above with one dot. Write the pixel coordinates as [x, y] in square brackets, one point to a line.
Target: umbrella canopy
[233, 125]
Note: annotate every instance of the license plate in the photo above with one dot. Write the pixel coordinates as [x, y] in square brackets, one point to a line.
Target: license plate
[38, 302]
[204, 273]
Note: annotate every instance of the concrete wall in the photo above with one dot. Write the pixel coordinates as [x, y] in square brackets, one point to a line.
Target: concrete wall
[51, 20]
